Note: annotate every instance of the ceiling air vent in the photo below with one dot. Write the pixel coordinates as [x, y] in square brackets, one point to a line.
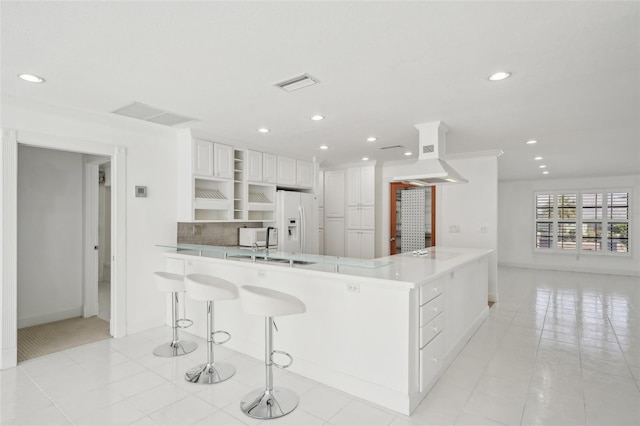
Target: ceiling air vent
[427, 149]
[151, 114]
[296, 83]
[391, 147]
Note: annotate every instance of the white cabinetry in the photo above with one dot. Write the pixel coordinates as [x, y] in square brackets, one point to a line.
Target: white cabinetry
[361, 211]
[294, 173]
[361, 217]
[269, 168]
[361, 186]
[334, 236]
[253, 164]
[286, 171]
[304, 174]
[360, 244]
[202, 158]
[334, 193]
[222, 161]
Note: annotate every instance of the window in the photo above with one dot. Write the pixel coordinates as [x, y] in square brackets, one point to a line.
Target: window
[582, 221]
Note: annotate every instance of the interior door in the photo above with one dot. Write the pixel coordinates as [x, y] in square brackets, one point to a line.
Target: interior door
[395, 207]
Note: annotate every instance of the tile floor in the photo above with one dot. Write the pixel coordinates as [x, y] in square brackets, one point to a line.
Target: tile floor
[558, 349]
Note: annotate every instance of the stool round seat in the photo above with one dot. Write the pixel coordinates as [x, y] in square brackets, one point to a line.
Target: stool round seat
[168, 282]
[206, 287]
[269, 402]
[210, 289]
[265, 302]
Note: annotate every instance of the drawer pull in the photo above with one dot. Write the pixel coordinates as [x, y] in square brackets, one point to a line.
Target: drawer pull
[435, 360]
[435, 289]
[435, 329]
[435, 309]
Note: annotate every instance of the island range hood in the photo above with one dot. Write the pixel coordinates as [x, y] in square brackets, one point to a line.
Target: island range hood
[431, 169]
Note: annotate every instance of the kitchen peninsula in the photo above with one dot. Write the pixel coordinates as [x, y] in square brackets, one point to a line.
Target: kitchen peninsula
[383, 330]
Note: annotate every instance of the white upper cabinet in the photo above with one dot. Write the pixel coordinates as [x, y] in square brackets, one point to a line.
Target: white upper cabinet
[222, 161]
[304, 174]
[269, 168]
[202, 158]
[253, 164]
[287, 171]
[361, 186]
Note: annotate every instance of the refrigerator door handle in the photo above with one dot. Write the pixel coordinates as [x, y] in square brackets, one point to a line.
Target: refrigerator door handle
[304, 230]
[301, 227]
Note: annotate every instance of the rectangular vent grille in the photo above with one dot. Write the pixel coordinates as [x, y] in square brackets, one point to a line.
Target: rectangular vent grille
[295, 83]
[391, 147]
[426, 149]
[151, 114]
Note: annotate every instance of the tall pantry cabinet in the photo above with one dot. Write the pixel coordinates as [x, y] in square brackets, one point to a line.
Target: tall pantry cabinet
[349, 211]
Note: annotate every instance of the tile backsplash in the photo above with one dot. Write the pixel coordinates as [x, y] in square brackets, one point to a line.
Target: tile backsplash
[213, 234]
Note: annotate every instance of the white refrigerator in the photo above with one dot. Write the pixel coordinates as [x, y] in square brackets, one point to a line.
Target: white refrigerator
[297, 222]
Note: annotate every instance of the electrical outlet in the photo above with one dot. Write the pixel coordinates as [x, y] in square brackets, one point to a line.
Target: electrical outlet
[353, 288]
[262, 273]
[483, 229]
[454, 229]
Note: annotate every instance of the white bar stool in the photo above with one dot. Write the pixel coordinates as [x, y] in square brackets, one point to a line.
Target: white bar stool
[174, 284]
[269, 402]
[210, 289]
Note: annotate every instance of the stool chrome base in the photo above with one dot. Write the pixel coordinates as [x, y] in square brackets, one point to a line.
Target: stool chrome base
[208, 374]
[265, 404]
[178, 348]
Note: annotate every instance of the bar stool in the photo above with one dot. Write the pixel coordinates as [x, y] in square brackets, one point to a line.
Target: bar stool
[174, 284]
[210, 289]
[269, 402]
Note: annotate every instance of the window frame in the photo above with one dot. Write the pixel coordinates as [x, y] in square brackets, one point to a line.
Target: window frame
[604, 222]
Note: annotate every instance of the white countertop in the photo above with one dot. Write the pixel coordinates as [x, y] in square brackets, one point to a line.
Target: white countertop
[406, 269]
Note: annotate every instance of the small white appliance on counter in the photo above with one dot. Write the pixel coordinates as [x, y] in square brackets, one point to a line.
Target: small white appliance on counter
[297, 222]
[250, 237]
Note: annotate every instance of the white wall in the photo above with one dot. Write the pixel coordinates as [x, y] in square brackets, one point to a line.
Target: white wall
[151, 161]
[470, 206]
[516, 234]
[49, 235]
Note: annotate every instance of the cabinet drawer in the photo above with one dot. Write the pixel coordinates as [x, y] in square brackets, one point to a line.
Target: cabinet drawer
[431, 330]
[431, 310]
[431, 362]
[431, 290]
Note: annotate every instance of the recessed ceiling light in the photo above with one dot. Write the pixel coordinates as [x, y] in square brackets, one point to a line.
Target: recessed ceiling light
[317, 117]
[408, 153]
[324, 147]
[537, 158]
[499, 76]
[546, 172]
[542, 166]
[531, 142]
[365, 158]
[371, 139]
[263, 130]
[31, 78]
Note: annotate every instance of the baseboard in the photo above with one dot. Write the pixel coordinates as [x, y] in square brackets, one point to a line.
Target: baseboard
[51, 317]
[565, 268]
[8, 358]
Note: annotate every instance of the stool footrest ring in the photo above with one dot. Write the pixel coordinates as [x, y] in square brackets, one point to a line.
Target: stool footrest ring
[222, 342]
[281, 353]
[184, 323]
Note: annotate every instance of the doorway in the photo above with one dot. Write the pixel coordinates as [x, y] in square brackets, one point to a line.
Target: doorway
[412, 217]
[51, 238]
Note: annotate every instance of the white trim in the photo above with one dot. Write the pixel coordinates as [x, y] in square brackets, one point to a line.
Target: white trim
[570, 268]
[90, 264]
[9, 262]
[43, 319]
[8, 265]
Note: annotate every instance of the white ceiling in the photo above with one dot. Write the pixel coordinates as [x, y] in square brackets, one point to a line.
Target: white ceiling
[383, 67]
